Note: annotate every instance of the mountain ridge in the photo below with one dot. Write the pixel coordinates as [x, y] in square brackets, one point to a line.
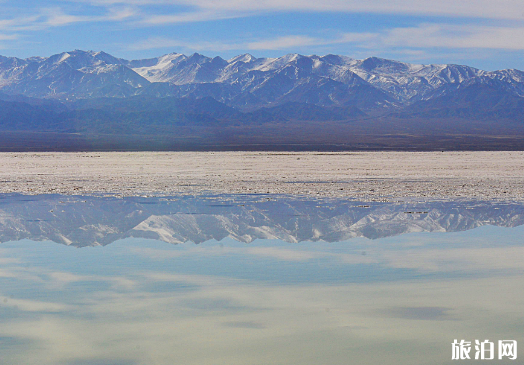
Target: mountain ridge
[84, 74]
[248, 101]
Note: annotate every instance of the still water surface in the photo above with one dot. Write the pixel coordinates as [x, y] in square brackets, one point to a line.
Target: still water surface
[255, 280]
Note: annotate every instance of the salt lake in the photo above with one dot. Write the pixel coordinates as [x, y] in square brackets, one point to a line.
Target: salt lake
[255, 279]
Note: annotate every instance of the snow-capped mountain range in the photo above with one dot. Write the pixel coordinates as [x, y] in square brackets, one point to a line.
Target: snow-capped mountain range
[246, 82]
[91, 221]
[85, 100]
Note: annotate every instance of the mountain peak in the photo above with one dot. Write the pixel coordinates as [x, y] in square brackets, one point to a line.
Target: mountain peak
[292, 57]
[243, 81]
[376, 63]
[246, 58]
[197, 56]
[335, 59]
[64, 57]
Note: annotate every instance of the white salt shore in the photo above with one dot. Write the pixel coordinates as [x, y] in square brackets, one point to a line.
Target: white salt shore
[364, 175]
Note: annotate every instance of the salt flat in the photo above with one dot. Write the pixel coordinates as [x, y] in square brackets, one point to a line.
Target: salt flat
[365, 175]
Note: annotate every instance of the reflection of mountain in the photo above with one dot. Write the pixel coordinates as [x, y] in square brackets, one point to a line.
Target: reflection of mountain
[90, 221]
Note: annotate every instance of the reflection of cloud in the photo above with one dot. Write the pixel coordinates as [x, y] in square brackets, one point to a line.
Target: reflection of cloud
[54, 280]
[20, 274]
[283, 253]
[235, 321]
[157, 254]
[213, 305]
[9, 260]
[419, 313]
[60, 279]
[201, 280]
[7, 274]
[245, 324]
[66, 277]
[5, 259]
[411, 255]
[33, 305]
[456, 259]
[137, 326]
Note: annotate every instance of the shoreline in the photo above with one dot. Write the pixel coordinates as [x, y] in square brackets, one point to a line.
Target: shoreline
[384, 176]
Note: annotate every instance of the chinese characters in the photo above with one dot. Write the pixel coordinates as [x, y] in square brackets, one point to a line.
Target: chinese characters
[485, 350]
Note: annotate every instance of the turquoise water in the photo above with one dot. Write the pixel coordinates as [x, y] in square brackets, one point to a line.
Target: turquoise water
[270, 280]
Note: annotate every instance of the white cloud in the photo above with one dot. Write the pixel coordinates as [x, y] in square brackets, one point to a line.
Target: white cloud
[213, 9]
[295, 41]
[47, 17]
[163, 43]
[290, 42]
[120, 14]
[426, 36]
[20, 23]
[502, 9]
[408, 40]
[187, 17]
[124, 2]
[455, 36]
[57, 17]
[8, 37]
[283, 42]
[415, 41]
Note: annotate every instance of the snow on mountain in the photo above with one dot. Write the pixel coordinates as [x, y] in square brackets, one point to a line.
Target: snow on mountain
[179, 69]
[158, 71]
[243, 81]
[410, 80]
[69, 74]
[513, 79]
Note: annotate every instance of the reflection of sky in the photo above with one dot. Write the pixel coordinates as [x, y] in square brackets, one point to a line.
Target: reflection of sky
[396, 300]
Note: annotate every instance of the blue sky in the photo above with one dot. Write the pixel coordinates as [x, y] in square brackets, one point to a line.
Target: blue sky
[483, 33]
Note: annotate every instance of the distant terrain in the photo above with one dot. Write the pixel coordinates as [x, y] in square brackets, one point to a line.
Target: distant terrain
[84, 100]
